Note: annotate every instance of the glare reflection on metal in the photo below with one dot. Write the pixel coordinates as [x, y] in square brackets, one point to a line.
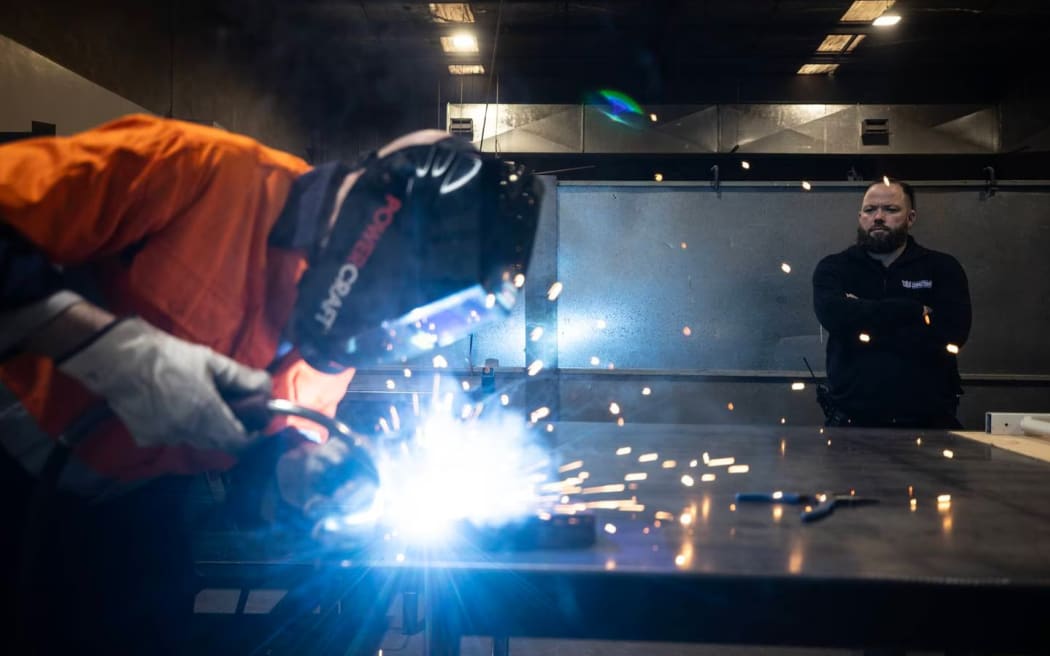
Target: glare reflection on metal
[646, 391]
[913, 503]
[783, 447]
[610, 564]
[669, 464]
[620, 422]
[739, 469]
[584, 475]
[948, 453]
[569, 466]
[705, 507]
[946, 524]
[785, 267]
[614, 408]
[400, 558]
[778, 513]
[636, 476]
[504, 399]
[911, 491]
[395, 418]
[554, 291]
[688, 481]
[707, 478]
[795, 559]
[648, 457]
[535, 367]
[719, 462]
[600, 324]
[602, 489]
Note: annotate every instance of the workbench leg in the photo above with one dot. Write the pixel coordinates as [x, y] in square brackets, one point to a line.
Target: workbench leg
[500, 646]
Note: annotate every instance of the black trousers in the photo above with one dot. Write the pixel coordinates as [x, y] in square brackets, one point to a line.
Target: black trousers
[115, 577]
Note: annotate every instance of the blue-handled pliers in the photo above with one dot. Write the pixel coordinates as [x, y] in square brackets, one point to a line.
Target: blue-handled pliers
[817, 506]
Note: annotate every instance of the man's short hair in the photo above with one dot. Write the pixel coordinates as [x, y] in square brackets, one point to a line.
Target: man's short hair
[909, 191]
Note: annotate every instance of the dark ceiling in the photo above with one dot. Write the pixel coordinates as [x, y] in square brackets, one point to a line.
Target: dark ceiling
[340, 62]
[663, 51]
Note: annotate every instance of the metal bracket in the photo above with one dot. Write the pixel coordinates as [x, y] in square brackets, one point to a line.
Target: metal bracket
[990, 183]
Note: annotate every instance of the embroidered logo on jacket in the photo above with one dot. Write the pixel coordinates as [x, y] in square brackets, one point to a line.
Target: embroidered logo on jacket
[917, 284]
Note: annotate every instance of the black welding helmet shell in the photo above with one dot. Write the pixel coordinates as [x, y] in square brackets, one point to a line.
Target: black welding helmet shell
[431, 243]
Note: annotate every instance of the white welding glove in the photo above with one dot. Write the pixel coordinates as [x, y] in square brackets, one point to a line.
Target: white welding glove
[319, 479]
[166, 390]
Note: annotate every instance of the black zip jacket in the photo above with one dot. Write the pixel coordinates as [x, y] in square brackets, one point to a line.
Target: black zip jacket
[884, 362]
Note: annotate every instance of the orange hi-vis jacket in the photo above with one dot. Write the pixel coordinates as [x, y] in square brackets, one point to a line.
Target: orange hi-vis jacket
[172, 220]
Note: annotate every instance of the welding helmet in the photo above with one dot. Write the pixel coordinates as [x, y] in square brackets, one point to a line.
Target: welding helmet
[431, 243]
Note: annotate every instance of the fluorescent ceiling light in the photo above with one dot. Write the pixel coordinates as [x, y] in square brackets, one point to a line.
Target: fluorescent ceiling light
[840, 42]
[466, 69]
[817, 69]
[886, 20]
[451, 12]
[865, 11]
[462, 42]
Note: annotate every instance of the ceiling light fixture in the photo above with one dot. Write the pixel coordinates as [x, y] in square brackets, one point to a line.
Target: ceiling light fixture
[466, 69]
[451, 12]
[460, 42]
[886, 20]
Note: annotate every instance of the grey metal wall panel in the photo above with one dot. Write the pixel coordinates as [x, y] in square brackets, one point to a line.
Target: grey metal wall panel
[34, 88]
[622, 261]
[754, 128]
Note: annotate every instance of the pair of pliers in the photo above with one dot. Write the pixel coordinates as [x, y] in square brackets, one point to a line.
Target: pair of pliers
[817, 506]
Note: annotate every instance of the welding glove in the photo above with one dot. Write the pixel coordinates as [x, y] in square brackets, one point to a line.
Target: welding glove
[320, 480]
[165, 390]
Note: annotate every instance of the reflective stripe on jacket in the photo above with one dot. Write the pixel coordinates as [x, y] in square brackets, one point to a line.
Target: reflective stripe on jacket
[171, 219]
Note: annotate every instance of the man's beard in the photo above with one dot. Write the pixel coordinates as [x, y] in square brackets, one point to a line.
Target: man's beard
[882, 242]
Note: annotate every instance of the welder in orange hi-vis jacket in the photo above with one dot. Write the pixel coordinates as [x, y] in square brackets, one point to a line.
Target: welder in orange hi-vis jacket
[163, 269]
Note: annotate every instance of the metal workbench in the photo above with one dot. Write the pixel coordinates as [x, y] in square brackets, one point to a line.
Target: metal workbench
[955, 556]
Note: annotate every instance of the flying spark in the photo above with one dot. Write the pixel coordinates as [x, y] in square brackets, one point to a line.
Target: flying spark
[796, 387]
[648, 457]
[614, 408]
[536, 334]
[535, 367]
[646, 391]
[440, 362]
[806, 185]
[785, 267]
[554, 291]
